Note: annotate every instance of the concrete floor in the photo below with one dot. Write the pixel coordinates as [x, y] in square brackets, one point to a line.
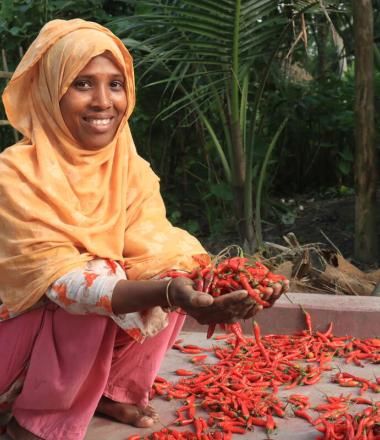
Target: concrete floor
[354, 316]
[291, 428]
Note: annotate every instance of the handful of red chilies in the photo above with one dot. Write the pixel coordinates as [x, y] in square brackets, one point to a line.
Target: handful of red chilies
[229, 275]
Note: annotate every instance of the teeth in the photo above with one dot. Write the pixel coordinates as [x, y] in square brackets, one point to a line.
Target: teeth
[99, 121]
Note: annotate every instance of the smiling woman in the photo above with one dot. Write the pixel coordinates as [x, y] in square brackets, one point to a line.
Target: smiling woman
[85, 319]
[95, 103]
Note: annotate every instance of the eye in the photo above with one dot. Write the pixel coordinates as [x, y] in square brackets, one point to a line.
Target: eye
[82, 84]
[116, 84]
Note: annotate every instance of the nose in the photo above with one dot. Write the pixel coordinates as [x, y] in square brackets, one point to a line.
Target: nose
[101, 97]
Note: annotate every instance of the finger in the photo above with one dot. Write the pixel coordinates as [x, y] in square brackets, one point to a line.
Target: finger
[201, 299]
[258, 308]
[231, 298]
[251, 312]
[277, 290]
[248, 304]
[268, 292]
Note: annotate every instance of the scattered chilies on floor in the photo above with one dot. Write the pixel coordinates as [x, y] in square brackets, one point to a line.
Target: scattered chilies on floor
[239, 393]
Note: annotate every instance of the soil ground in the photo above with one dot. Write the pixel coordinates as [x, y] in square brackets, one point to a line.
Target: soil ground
[329, 221]
[320, 221]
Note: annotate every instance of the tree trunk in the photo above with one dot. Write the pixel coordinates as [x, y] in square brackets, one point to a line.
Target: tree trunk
[366, 241]
[321, 41]
[245, 221]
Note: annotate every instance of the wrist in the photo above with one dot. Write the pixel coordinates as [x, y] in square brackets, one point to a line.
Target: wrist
[169, 302]
[170, 305]
[175, 291]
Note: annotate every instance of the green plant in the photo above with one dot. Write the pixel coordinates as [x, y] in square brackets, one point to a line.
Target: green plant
[213, 60]
[317, 149]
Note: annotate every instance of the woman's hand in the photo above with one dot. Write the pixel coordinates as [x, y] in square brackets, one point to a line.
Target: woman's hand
[226, 308]
[273, 293]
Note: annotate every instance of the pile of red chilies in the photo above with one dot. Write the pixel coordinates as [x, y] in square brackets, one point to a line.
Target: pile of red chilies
[240, 391]
[336, 420]
[228, 275]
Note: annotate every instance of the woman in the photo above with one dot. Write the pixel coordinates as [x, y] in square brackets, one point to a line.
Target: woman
[83, 233]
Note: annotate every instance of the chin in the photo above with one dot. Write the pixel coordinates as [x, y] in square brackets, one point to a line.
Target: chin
[86, 145]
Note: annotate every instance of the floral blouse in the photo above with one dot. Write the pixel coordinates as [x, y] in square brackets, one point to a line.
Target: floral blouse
[84, 291]
[89, 290]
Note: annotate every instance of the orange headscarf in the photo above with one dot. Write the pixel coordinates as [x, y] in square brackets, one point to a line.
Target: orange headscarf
[62, 205]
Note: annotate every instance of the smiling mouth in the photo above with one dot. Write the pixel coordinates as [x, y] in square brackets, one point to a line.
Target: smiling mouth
[99, 122]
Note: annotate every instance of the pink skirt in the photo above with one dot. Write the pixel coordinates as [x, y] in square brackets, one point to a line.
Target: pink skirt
[56, 366]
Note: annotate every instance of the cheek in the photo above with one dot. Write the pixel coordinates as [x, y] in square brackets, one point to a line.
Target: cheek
[71, 108]
[72, 102]
[66, 106]
[121, 104]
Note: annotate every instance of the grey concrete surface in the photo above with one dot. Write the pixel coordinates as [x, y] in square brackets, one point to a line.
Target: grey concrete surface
[356, 316]
[353, 315]
[290, 428]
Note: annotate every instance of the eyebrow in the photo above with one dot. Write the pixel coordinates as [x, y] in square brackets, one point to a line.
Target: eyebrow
[114, 75]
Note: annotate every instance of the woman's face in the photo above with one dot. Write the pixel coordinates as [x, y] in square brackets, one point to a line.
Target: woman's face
[95, 103]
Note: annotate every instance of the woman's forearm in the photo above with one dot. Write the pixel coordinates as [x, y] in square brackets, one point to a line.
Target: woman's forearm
[133, 296]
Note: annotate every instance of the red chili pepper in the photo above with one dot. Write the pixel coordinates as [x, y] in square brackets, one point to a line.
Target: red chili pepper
[322, 337]
[270, 424]
[160, 389]
[210, 330]
[304, 415]
[174, 274]
[308, 320]
[177, 394]
[236, 263]
[199, 284]
[160, 379]
[183, 372]
[198, 428]
[236, 329]
[220, 337]
[252, 292]
[198, 359]
[257, 421]
[208, 281]
[312, 379]
[194, 347]
[361, 401]
[184, 422]
[328, 332]
[278, 411]
[191, 350]
[299, 400]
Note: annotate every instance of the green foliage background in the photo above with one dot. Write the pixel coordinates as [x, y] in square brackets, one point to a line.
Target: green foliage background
[315, 151]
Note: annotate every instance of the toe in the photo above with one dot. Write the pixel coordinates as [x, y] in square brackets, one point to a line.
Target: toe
[151, 412]
[144, 422]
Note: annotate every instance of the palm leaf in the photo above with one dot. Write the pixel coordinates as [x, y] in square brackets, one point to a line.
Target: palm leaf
[213, 58]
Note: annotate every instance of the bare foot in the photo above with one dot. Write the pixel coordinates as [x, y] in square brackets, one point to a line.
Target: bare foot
[17, 432]
[128, 413]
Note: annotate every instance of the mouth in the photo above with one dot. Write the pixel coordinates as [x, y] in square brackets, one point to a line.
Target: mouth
[99, 122]
[99, 125]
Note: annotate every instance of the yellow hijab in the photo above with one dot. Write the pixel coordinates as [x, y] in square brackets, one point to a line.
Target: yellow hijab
[62, 205]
